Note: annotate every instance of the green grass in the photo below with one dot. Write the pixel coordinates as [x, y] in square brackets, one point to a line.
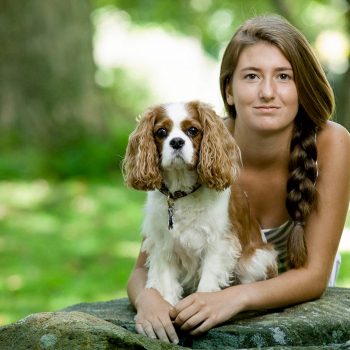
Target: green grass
[64, 243]
[70, 242]
[343, 279]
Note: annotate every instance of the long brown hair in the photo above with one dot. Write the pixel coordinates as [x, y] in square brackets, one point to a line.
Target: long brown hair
[316, 106]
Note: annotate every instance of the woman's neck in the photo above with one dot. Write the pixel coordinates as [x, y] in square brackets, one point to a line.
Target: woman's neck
[263, 150]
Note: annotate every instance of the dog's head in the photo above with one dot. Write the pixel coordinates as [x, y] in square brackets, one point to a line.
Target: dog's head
[182, 136]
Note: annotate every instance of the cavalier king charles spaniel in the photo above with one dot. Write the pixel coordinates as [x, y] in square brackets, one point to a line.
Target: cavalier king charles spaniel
[198, 232]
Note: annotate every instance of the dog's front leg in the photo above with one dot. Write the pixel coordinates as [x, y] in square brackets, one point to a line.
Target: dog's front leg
[217, 267]
[163, 276]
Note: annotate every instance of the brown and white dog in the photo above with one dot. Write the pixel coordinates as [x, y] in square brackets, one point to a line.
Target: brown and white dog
[198, 232]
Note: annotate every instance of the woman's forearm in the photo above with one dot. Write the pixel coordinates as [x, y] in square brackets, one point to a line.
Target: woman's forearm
[136, 283]
[153, 312]
[292, 287]
[199, 312]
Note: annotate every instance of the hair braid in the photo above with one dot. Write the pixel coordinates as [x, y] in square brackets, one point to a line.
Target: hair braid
[301, 190]
[316, 106]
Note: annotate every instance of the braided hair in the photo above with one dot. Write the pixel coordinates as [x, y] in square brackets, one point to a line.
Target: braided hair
[301, 190]
[316, 106]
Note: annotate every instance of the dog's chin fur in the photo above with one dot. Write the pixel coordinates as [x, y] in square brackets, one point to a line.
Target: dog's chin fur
[180, 179]
[213, 242]
[177, 163]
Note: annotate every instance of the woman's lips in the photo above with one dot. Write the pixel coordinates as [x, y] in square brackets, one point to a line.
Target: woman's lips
[267, 109]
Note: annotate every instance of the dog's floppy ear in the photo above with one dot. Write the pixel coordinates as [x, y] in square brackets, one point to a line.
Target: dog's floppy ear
[141, 162]
[220, 157]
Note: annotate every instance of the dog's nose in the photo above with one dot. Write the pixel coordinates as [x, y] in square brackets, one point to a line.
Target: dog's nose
[177, 142]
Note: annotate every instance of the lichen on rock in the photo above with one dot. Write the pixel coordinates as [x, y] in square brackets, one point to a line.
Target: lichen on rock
[323, 323]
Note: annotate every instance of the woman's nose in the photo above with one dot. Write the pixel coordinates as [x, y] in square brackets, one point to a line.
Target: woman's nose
[267, 89]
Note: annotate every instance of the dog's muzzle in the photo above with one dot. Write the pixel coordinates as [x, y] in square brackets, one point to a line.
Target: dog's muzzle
[177, 143]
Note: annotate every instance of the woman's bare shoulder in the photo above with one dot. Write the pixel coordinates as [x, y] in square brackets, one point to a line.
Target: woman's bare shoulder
[333, 141]
[334, 130]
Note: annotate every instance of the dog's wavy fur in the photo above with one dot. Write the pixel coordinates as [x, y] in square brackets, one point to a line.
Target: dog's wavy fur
[218, 160]
[214, 241]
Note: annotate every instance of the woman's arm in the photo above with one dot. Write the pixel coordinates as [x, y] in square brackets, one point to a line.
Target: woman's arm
[152, 318]
[202, 311]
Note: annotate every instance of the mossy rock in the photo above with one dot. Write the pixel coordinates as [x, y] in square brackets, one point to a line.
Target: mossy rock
[323, 323]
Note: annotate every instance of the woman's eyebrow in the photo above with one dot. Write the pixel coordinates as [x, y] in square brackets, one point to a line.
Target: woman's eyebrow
[249, 68]
[283, 68]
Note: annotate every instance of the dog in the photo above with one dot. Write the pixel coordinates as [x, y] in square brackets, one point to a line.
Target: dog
[198, 231]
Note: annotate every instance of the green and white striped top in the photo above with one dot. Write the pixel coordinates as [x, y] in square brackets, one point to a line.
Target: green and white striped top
[278, 236]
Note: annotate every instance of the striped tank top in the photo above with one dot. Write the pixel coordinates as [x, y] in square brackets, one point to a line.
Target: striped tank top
[278, 236]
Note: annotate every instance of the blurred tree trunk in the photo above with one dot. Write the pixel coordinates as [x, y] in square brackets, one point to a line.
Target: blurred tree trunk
[47, 93]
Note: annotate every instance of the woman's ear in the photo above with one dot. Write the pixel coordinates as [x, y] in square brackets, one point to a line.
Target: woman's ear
[229, 95]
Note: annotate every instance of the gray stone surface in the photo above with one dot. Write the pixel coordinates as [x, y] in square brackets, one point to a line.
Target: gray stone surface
[320, 324]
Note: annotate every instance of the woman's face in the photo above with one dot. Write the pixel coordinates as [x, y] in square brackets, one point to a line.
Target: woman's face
[263, 90]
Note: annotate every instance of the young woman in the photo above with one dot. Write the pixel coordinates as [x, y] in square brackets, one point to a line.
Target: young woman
[296, 173]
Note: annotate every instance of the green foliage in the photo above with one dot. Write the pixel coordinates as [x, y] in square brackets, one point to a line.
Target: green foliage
[80, 152]
[124, 99]
[344, 275]
[69, 242]
[88, 157]
[213, 22]
[56, 122]
[64, 243]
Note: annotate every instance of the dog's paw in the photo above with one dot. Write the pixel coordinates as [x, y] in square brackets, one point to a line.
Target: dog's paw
[172, 299]
[172, 292]
[208, 287]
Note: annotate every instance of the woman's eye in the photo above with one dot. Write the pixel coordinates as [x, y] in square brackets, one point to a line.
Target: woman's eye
[251, 76]
[161, 133]
[284, 76]
[192, 131]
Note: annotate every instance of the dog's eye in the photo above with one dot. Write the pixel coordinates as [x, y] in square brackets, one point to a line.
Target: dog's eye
[192, 131]
[161, 133]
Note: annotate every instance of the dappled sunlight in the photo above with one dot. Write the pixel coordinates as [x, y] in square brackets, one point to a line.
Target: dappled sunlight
[36, 223]
[77, 241]
[323, 15]
[23, 195]
[75, 230]
[174, 67]
[200, 5]
[14, 283]
[84, 205]
[221, 22]
[70, 229]
[333, 49]
[331, 44]
[127, 249]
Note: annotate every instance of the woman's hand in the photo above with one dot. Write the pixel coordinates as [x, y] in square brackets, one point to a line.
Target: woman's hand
[201, 311]
[152, 318]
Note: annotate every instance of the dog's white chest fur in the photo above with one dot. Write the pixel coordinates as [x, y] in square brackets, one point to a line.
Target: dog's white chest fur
[198, 253]
[179, 146]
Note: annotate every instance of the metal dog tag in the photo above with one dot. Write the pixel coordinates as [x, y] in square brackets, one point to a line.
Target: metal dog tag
[171, 211]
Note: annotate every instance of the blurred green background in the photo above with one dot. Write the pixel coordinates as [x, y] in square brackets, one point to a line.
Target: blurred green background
[74, 76]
